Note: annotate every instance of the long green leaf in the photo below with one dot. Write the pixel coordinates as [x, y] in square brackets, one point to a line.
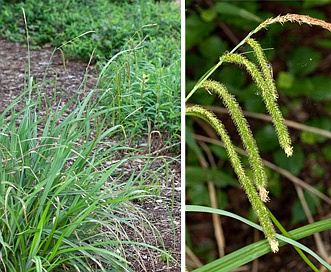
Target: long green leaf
[257, 249]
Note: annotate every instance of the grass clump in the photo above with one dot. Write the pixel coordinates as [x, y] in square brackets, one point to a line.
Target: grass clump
[64, 206]
[68, 191]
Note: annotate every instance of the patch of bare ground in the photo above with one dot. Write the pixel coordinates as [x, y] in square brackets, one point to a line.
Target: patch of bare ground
[61, 80]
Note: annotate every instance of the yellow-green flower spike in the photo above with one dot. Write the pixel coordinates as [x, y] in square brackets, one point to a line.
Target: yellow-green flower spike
[268, 98]
[264, 66]
[260, 177]
[257, 204]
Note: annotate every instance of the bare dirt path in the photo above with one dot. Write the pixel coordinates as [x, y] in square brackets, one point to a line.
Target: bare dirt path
[62, 82]
[63, 79]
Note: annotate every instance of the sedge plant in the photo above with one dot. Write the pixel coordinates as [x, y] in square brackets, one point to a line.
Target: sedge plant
[64, 206]
[255, 187]
[66, 203]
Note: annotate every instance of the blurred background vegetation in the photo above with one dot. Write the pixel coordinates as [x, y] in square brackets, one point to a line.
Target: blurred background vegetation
[301, 61]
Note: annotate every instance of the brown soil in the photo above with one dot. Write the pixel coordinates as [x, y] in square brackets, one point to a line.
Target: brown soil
[62, 79]
[63, 82]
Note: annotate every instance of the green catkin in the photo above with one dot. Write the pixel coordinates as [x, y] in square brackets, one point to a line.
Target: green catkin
[260, 177]
[264, 66]
[257, 204]
[269, 99]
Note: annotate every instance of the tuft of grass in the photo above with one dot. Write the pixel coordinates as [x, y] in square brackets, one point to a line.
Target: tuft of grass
[68, 196]
[64, 205]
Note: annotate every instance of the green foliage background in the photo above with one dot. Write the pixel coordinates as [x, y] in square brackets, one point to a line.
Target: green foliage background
[114, 23]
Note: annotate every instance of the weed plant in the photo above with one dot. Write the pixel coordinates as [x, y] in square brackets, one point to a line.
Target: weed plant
[254, 185]
[149, 90]
[66, 200]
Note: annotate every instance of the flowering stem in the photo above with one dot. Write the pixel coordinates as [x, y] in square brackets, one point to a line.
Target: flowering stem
[260, 177]
[257, 204]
